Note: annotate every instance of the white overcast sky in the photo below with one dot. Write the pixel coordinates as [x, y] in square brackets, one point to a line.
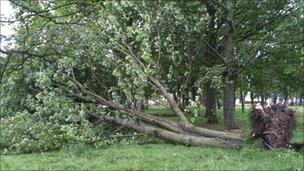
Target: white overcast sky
[6, 12]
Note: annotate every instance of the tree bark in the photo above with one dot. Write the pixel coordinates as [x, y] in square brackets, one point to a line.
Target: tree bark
[242, 99]
[263, 100]
[218, 103]
[184, 139]
[139, 105]
[229, 105]
[274, 100]
[211, 59]
[168, 124]
[174, 106]
[185, 99]
[210, 103]
[215, 134]
[251, 99]
[286, 100]
[193, 92]
[228, 55]
[302, 98]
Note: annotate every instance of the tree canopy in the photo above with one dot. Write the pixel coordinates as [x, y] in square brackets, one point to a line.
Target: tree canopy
[74, 59]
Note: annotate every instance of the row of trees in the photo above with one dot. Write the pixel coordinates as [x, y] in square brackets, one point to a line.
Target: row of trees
[109, 57]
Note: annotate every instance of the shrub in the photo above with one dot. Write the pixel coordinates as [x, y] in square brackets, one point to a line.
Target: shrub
[195, 111]
[24, 134]
[49, 123]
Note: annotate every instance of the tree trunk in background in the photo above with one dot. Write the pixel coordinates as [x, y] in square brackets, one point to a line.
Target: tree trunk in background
[302, 98]
[178, 95]
[203, 101]
[251, 99]
[292, 101]
[228, 55]
[234, 100]
[210, 103]
[286, 100]
[218, 103]
[242, 100]
[193, 92]
[139, 106]
[174, 96]
[275, 98]
[229, 105]
[211, 59]
[185, 99]
[263, 100]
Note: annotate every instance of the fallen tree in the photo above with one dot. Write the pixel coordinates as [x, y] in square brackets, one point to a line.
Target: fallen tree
[179, 138]
[182, 132]
[110, 64]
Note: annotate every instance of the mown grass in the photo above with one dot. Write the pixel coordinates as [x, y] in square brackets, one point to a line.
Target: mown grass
[164, 156]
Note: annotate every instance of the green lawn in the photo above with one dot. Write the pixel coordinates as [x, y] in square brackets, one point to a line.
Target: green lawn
[163, 156]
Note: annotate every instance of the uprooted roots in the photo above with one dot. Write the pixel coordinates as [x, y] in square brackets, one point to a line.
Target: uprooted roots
[274, 125]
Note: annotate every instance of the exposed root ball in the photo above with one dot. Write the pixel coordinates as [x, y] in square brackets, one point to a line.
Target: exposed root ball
[274, 125]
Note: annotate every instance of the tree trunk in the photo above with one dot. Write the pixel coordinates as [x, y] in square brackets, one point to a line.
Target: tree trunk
[185, 99]
[242, 100]
[139, 105]
[175, 96]
[211, 59]
[263, 100]
[204, 101]
[228, 55]
[218, 103]
[286, 100]
[229, 105]
[184, 139]
[193, 92]
[251, 99]
[210, 104]
[174, 106]
[292, 101]
[274, 101]
[302, 98]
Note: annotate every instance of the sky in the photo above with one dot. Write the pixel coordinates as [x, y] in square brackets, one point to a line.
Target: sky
[6, 12]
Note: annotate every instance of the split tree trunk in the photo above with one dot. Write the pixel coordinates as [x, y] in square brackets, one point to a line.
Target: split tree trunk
[184, 139]
[169, 130]
[174, 106]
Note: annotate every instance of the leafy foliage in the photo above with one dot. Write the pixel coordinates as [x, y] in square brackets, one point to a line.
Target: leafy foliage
[72, 58]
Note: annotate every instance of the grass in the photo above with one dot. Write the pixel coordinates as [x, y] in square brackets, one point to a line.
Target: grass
[163, 156]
